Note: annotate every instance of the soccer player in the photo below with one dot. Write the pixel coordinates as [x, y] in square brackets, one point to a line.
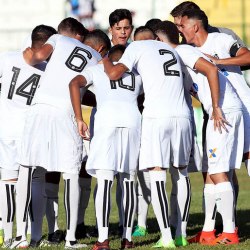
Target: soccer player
[19, 84]
[116, 142]
[194, 29]
[162, 143]
[51, 117]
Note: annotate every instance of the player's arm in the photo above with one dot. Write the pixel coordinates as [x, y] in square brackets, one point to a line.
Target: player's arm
[34, 57]
[211, 72]
[74, 87]
[114, 72]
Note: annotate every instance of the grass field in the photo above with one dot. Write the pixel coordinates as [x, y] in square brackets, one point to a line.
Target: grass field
[195, 220]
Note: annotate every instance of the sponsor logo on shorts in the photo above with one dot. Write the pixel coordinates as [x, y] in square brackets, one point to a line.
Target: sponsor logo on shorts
[212, 153]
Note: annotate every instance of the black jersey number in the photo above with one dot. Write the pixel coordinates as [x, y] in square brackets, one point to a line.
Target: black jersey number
[33, 80]
[169, 63]
[131, 87]
[75, 56]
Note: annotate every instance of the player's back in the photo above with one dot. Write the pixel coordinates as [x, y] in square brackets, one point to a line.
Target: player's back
[116, 100]
[68, 59]
[19, 83]
[160, 69]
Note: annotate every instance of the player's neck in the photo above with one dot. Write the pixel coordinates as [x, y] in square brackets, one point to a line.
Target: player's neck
[200, 38]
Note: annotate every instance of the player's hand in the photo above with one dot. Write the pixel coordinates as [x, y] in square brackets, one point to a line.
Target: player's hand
[219, 120]
[28, 54]
[83, 129]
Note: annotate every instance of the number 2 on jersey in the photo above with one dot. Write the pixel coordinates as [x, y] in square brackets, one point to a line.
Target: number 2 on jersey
[169, 63]
[32, 80]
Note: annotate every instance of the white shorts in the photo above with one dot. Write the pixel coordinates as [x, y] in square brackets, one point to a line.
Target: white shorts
[195, 160]
[165, 142]
[51, 140]
[224, 151]
[9, 151]
[115, 149]
[7, 174]
[246, 116]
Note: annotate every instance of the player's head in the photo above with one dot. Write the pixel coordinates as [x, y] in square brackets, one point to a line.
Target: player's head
[152, 23]
[192, 23]
[144, 33]
[121, 26]
[98, 40]
[179, 9]
[167, 32]
[116, 52]
[72, 28]
[40, 35]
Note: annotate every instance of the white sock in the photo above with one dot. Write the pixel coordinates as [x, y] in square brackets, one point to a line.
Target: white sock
[105, 180]
[71, 200]
[23, 198]
[38, 203]
[210, 207]
[119, 202]
[160, 203]
[143, 197]
[225, 205]
[85, 190]
[7, 193]
[127, 182]
[173, 204]
[51, 191]
[182, 182]
[247, 163]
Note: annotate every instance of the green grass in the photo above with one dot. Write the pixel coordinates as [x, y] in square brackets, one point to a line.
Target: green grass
[195, 220]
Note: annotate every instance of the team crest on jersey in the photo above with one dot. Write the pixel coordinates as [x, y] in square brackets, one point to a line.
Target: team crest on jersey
[212, 153]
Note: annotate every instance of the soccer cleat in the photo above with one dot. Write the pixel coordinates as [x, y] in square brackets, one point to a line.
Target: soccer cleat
[181, 241]
[81, 232]
[204, 238]
[19, 243]
[40, 243]
[56, 237]
[125, 243]
[73, 245]
[226, 239]
[101, 245]
[7, 244]
[159, 244]
[140, 231]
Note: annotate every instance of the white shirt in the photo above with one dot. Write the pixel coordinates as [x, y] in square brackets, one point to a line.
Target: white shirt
[219, 44]
[229, 100]
[69, 58]
[19, 84]
[164, 94]
[116, 100]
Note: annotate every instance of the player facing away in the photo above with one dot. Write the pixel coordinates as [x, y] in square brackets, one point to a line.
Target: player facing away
[194, 29]
[115, 146]
[166, 132]
[19, 84]
[51, 117]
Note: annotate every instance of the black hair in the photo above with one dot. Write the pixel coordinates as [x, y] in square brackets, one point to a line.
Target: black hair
[41, 33]
[143, 29]
[170, 30]
[198, 15]
[118, 15]
[186, 5]
[116, 52]
[72, 26]
[97, 36]
[152, 23]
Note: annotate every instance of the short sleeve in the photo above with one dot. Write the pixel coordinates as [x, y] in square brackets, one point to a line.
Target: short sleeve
[88, 75]
[53, 40]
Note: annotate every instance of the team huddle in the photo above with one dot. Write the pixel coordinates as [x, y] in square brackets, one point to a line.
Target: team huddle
[142, 124]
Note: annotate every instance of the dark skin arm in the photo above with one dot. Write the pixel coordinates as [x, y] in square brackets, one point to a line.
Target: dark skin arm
[74, 88]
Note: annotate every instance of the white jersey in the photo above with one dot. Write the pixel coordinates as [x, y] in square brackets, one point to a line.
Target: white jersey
[219, 45]
[229, 100]
[160, 69]
[116, 100]
[68, 59]
[19, 84]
